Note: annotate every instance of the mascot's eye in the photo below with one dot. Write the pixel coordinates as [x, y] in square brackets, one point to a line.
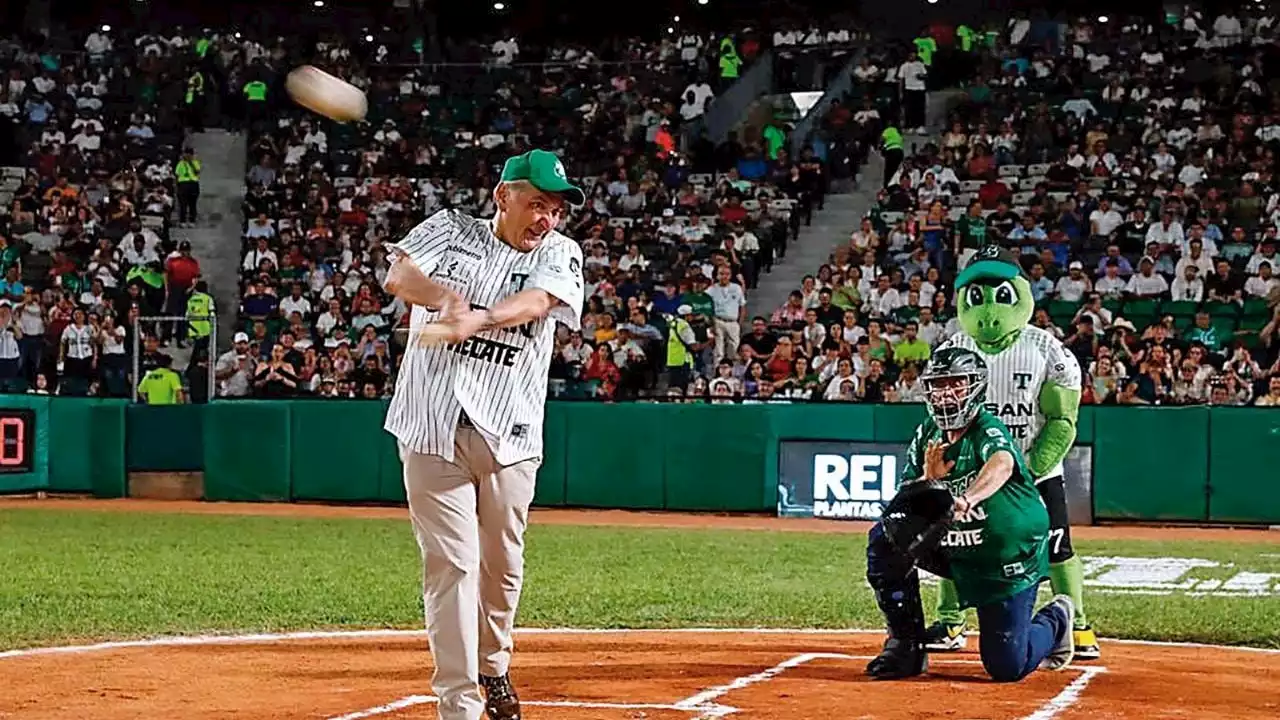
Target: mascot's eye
[1006, 295]
[975, 295]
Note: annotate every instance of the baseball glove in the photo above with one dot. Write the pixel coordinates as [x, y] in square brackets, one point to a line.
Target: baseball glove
[917, 518]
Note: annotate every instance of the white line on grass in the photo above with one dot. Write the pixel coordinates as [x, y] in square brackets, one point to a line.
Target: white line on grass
[183, 640]
[709, 710]
[1069, 696]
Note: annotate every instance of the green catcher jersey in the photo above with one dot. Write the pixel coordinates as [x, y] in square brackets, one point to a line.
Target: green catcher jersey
[1000, 547]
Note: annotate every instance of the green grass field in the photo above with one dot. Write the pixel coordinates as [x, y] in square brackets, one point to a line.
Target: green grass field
[73, 576]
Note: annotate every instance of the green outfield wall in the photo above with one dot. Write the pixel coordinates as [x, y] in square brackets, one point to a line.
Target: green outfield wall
[1148, 464]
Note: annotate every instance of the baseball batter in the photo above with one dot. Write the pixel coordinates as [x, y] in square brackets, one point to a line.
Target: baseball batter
[468, 413]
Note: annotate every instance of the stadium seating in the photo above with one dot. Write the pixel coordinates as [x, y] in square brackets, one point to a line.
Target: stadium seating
[88, 167]
[1168, 119]
[330, 195]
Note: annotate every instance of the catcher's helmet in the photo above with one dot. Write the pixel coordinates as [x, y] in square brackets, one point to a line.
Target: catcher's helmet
[955, 385]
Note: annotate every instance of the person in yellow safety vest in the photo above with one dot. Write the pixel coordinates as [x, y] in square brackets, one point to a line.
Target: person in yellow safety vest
[255, 100]
[730, 61]
[926, 46]
[680, 349]
[195, 101]
[187, 175]
[199, 309]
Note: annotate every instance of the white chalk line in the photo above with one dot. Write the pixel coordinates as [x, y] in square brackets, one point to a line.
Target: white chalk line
[412, 700]
[1069, 696]
[250, 638]
[713, 693]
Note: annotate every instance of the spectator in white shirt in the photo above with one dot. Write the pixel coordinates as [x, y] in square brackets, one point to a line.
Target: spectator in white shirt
[1263, 283]
[882, 300]
[1188, 286]
[1195, 233]
[1111, 284]
[138, 253]
[1195, 256]
[88, 140]
[296, 303]
[1266, 254]
[1073, 286]
[1104, 220]
[1166, 231]
[1146, 283]
[254, 257]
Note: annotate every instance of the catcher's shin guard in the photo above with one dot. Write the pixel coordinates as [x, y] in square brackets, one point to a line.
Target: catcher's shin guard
[896, 583]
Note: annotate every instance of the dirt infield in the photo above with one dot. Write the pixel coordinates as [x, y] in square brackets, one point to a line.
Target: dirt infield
[616, 675]
[622, 675]
[615, 518]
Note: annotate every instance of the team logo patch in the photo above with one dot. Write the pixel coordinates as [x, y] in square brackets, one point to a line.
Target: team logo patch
[519, 430]
[990, 252]
[559, 170]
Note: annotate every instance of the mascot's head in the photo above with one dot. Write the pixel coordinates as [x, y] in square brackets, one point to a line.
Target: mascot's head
[993, 299]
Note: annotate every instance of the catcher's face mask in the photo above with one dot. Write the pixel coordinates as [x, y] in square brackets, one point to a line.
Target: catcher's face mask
[953, 400]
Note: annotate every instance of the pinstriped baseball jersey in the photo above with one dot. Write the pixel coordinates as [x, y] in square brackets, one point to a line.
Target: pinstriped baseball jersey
[1014, 378]
[498, 377]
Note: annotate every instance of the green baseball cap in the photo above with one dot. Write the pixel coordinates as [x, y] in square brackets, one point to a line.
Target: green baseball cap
[544, 171]
[990, 262]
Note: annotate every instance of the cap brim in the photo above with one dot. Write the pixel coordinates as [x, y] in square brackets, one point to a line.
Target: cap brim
[570, 192]
[986, 269]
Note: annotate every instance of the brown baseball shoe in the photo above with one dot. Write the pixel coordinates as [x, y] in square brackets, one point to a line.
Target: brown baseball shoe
[500, 701]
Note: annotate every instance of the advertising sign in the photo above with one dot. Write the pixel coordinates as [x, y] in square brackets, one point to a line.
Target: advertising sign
[855, 480]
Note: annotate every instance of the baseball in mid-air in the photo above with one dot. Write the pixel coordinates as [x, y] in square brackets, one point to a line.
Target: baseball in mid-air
[322, 93]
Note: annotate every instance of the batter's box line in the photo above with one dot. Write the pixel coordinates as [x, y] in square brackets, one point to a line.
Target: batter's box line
[706, 710]
[1064, 700]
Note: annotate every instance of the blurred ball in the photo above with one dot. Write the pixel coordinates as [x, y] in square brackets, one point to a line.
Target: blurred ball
[320, 92]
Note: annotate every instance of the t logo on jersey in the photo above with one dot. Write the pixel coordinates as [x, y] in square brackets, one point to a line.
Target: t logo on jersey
[1022, 379]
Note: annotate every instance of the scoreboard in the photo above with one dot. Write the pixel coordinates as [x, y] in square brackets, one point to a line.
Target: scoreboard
[17, 440]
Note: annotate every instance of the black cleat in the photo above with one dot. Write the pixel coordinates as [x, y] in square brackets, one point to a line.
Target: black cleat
[898, 660]
[500, 701]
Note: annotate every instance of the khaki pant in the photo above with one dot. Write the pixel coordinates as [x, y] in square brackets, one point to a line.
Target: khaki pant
[469, 518]
[728, 338]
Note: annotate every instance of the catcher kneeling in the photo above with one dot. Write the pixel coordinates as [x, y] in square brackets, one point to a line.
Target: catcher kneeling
[967, 509]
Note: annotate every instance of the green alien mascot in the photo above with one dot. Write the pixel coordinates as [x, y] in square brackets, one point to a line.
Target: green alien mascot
[1035, 390]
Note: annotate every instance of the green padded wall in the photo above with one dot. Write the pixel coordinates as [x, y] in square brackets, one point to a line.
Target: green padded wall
[713, 455]
[336, 448]
[165, 438]
[810, 422]
[38, 478]
[390, 471]
[71, 440]
[554, 474]
[615, 455]
[897, 423]
[1150, 463]
[1244, 465]
[1084, 425]
[107, 475]
[247, 450]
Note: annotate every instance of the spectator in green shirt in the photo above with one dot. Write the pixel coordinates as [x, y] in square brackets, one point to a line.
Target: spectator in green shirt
[1205, 332]
[911, 348]
[161, 386]
[971, 233]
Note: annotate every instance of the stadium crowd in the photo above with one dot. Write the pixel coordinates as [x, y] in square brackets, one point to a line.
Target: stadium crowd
[89, 139]
[660, 225]
[1131, 166]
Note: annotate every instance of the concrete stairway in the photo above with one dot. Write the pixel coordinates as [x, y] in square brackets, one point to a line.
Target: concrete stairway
[831, 227]
[215, 240]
